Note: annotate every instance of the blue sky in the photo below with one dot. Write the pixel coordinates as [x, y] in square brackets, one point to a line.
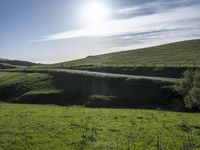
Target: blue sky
[49, 31]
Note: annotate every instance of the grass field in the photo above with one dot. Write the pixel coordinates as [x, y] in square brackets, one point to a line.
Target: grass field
[186, 52]
[35, 127]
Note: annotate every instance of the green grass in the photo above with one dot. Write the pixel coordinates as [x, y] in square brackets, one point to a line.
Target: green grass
[14, 87]
[36, 127]
[33, 82]
[83, 89]
[170, 54]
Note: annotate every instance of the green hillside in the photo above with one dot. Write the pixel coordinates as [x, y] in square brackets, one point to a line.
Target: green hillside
[83, 89]
[175, 53]
[10, 66]
[16, 63]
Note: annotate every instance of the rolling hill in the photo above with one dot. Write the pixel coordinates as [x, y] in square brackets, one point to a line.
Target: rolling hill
[185, 52]
[17, 62]
[10, 64]
[72, 88]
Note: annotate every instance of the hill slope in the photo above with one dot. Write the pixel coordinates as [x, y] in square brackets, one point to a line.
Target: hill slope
[83, 89]
[16, 62]
[180, 52]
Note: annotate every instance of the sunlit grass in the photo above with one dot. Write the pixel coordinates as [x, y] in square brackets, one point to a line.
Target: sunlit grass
[52, 127]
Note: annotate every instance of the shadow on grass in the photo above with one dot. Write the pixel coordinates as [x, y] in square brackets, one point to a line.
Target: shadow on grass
[95, 91]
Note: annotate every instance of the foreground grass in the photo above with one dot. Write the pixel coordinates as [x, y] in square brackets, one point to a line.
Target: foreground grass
[52, 127]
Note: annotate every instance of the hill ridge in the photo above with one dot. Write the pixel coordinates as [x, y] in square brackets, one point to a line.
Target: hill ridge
[178, 52]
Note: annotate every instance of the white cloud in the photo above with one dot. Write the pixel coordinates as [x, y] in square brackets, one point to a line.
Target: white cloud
[182, 17]
[155, 6]
[152, 39]
[127, 11]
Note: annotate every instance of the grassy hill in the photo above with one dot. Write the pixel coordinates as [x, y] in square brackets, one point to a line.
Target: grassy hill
[174, 53]
[9, 64]
[83, 89]
[36, 127]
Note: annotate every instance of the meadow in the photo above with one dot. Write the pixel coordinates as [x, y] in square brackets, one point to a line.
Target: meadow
[36, 127]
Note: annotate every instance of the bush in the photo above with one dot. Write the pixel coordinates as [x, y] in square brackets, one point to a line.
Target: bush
[178, 105]
[193, 98]
[189, 89]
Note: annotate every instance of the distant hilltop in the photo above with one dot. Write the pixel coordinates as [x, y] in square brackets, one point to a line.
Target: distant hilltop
[185, 52]
[7, 62]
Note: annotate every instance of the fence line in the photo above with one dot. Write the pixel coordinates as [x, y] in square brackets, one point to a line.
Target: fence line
[153, 65]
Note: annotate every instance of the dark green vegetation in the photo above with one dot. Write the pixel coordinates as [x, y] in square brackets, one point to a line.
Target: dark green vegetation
[35, 127]
[184, 53]
[84, 89]
[189, 89]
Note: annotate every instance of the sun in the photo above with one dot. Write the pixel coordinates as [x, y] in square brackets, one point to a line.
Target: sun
[95, 12]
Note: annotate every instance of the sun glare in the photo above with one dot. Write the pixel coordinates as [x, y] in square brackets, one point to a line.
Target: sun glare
[95, 12]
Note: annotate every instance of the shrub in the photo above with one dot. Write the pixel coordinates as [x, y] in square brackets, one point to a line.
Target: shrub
[178, 105]
[189, 89]
[193, 98]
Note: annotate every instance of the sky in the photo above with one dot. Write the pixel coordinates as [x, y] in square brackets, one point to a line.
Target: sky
[51, 31]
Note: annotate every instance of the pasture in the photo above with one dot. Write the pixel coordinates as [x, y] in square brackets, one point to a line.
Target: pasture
[36, 127]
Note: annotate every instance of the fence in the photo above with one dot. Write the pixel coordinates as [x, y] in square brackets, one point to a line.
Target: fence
[152, 65]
